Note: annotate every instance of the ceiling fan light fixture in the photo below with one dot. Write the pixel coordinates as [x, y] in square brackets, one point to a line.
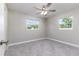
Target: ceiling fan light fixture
[45, 9]
[44, 12]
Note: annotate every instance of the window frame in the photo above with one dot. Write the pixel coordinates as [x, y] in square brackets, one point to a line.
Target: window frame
[32, 19]
[66, 28]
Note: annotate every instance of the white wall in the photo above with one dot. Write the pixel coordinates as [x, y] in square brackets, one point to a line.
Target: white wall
[17, 28]
[71, 36]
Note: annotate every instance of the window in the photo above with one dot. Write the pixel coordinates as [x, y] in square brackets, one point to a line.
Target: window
[65, 23]
[32, 24]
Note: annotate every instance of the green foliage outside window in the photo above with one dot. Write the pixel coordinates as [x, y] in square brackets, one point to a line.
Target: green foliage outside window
[32, 24]
[33, 27]
[66, 22]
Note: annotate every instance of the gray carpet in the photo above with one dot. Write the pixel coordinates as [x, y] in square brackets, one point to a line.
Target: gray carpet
[42, 48]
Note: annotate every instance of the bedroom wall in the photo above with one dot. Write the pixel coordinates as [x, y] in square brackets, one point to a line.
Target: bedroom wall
[71, 36]
[17, 29]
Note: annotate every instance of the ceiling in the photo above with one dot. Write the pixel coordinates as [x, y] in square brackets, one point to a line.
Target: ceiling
[28, 8]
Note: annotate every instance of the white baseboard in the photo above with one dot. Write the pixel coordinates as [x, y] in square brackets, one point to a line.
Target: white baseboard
[29, 41]
[67, 43]
[18, 43]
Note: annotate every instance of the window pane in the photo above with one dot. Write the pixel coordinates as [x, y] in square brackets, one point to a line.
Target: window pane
[65, 22]
[32, 24]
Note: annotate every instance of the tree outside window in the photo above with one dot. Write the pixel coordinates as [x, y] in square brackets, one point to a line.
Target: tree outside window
[32, 24]
[65, 23]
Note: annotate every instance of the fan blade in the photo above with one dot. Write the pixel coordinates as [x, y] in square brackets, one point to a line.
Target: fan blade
[37, 13]
[37, 8]
[48, 5]
[52, 10]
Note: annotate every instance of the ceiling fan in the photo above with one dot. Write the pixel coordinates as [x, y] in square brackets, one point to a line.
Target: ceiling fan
[45, 9]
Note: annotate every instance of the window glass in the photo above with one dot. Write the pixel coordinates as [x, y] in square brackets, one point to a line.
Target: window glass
[32, 24]
[65, 23]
